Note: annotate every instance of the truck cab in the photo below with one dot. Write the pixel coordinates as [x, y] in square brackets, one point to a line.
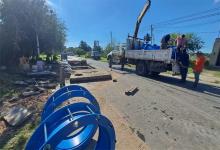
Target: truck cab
[115, 56]
[95, 54]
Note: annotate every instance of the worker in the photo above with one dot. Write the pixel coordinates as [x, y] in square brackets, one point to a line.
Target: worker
[198, 67]
[165, 41]
[184, 64]
[181, 42]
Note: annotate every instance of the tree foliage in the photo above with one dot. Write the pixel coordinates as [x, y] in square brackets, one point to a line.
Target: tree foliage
[84, 46]
[107, 50]
[82, 49]
[194, 42]
[78, 51]
[21, 22]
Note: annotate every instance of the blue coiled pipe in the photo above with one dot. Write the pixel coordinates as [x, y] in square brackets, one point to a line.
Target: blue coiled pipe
[73, 126]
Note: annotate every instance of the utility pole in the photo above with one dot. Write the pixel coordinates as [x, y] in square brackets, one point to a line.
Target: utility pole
[151, 34]
[38, 45]
[111, 39]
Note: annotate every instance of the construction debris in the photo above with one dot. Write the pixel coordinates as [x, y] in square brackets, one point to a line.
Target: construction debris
[30, 93]
[76, 61]
[16, 115]
[20, 83]
[48, 85]
[132, 91]
[89, 75]
[42, 74]
[3, 127]
[40, 89]
[115, 80]
[14, 99]
[66, 67]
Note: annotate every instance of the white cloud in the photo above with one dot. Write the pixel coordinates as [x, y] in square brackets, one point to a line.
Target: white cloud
[217, 1]
[50, 3]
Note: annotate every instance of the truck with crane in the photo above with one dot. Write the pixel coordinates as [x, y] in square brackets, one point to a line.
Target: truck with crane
[148, 59]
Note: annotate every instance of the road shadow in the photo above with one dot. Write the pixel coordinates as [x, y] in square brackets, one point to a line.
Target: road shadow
[202, 87]
[124, 71]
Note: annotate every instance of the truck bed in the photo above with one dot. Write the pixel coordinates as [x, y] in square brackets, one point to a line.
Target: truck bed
[164, 55]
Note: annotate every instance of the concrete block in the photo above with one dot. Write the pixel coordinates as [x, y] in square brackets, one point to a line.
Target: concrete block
[132, 91]
[16, 115]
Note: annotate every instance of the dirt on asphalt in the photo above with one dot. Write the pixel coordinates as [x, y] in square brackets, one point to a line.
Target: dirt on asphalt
[126, 137]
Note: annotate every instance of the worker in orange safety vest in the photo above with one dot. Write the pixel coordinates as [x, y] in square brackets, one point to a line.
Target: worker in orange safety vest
[198, 67]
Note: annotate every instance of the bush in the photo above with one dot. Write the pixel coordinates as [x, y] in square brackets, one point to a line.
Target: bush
[88, 55]
[191, 63]
[55, 57]
[104, 55]
[80, 52]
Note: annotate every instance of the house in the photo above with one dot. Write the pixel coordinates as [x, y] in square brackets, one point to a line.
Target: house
[215, 56]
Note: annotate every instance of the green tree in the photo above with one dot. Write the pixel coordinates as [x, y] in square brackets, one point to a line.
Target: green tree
[22, 22]
[83, 45]
[79, 51]
[195, 43]
[107, 50]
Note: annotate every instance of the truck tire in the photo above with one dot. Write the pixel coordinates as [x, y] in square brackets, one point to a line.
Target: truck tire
[154, 73]
[122, 63]
[141, 68]
[110, 62]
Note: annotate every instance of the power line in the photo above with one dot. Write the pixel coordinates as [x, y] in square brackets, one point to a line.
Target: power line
[189, 16]
[192, 25]
[208, 32]
[192, 19]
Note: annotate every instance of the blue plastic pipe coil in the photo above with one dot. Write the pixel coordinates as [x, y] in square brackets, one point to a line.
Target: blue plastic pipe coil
[72, 127]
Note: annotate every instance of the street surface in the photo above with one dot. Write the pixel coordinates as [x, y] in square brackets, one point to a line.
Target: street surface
[164, 113]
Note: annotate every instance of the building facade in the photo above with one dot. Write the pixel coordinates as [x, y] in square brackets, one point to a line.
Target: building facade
[215, 56]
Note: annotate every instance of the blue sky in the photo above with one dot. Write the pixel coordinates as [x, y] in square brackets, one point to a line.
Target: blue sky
[91, 20]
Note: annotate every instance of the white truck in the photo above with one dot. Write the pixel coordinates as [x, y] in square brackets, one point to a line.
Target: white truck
[146, 61]
[152, 61]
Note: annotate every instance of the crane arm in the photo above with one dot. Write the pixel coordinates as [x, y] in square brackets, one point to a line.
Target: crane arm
[140, 17]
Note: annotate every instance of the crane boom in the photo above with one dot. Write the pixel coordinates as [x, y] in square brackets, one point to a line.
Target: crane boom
[140, 17]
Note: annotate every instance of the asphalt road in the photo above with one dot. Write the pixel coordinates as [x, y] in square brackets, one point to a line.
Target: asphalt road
[165, 113]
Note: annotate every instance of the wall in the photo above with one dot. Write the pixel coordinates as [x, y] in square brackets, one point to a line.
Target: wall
[215, 53]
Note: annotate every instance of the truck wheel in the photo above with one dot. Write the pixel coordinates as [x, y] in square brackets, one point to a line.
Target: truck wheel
[122, 66]
[155, 73]
[141, 68]
[110, 62]
[122, 63]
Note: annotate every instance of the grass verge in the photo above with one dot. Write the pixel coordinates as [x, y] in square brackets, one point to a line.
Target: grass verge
[21, 136]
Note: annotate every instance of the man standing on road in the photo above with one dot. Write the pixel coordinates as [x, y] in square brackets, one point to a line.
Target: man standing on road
[184, 64]
[198, 67]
